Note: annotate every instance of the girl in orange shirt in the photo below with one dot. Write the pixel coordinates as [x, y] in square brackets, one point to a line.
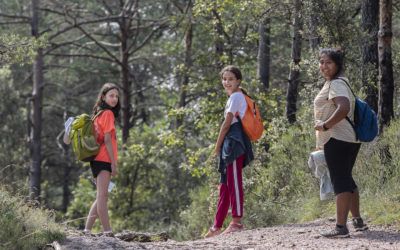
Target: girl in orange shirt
[105, 163]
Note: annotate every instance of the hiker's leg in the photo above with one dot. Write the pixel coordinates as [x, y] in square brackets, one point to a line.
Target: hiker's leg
[355, 204]
[92, 216]
[340, 157]
[355, 195]
[223, 206]
[342, 207]
[235, 186]
[103, 180]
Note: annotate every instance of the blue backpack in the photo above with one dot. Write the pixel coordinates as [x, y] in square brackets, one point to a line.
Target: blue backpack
[365, 120]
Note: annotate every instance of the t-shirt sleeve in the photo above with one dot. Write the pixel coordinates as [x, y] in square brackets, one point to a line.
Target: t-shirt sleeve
[233, 104]
[338, 88]
[107, 121]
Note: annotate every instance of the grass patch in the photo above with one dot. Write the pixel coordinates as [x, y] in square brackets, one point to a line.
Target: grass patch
[24, 226]
[382, 209]
[376, 209]
[312, 208]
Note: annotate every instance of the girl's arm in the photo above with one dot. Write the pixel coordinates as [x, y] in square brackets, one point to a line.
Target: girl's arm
[342, 109]
[109, 147]
[222, 132]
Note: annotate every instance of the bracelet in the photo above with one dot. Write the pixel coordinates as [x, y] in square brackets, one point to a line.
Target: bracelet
[325, 127]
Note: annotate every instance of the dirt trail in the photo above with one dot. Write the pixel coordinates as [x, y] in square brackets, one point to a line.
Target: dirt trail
[295, 236]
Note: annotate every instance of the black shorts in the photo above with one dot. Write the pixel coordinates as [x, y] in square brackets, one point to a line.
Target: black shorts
[97, 166]
[340, 157]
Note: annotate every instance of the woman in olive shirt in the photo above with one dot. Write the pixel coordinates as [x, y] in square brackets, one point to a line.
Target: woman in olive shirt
[336, 136]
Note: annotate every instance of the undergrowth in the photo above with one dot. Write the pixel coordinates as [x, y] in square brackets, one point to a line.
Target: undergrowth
[24, 226]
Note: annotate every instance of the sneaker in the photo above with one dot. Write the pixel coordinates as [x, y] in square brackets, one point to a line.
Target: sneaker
[213, 231]
[359, 224]
[338, 232]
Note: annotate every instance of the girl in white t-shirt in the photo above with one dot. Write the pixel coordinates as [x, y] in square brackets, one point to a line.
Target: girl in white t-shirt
[233, 154]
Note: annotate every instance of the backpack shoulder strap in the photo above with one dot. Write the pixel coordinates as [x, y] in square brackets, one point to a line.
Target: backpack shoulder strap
[348, 85]
[94, 116]
[355, 97]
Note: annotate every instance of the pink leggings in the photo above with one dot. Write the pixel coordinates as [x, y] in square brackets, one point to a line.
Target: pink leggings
[231, 193]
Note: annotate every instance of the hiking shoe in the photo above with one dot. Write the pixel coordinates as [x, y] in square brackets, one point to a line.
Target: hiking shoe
[359, 224]
[338, 232]
[213, 231]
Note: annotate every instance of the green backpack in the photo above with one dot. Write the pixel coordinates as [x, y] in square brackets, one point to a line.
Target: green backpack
[83, 137]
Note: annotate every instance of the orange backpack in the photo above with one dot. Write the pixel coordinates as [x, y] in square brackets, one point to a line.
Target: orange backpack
[251, 121]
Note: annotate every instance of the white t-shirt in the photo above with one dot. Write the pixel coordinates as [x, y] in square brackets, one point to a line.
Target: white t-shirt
[236, 103]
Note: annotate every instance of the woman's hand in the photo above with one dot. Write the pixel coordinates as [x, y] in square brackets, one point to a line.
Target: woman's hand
[319, 125]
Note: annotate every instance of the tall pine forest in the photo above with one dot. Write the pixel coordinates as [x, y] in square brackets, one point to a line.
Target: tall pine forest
[166, 55]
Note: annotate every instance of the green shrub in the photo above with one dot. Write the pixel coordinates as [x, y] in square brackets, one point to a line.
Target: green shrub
[198, 217]
[23, 226]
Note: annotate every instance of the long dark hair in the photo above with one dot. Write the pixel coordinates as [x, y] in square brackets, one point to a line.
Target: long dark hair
[337, 56]
[102, 105]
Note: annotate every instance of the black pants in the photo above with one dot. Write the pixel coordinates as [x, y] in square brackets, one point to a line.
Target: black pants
[340, 157]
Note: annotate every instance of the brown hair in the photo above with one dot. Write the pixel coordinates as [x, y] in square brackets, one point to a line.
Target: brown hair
[101, 104]
[233, 69]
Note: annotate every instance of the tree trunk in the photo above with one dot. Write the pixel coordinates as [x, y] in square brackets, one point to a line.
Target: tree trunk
[264, 55]
[370, 62]
[187, 68]
[314, 39]
[36, 112]
[385, 64]
[294, 76]
[219, 40]
[125, 80]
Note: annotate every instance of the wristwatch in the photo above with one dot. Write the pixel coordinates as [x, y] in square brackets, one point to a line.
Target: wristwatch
[325, 127]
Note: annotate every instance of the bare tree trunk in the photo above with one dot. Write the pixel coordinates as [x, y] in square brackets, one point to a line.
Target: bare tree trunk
[294, 76]
[315, 38]
[264, 55]
[125, 80]
[370, 62]
[385, 64]
[219, 40]
[187, 68]
[386, 83]
[36, 114]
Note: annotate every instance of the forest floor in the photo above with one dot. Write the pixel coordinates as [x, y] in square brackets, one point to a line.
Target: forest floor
[292, 236]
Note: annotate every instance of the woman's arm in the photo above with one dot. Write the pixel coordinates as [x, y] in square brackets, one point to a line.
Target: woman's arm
[222, 132]
[109, 147]
[342, 109]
